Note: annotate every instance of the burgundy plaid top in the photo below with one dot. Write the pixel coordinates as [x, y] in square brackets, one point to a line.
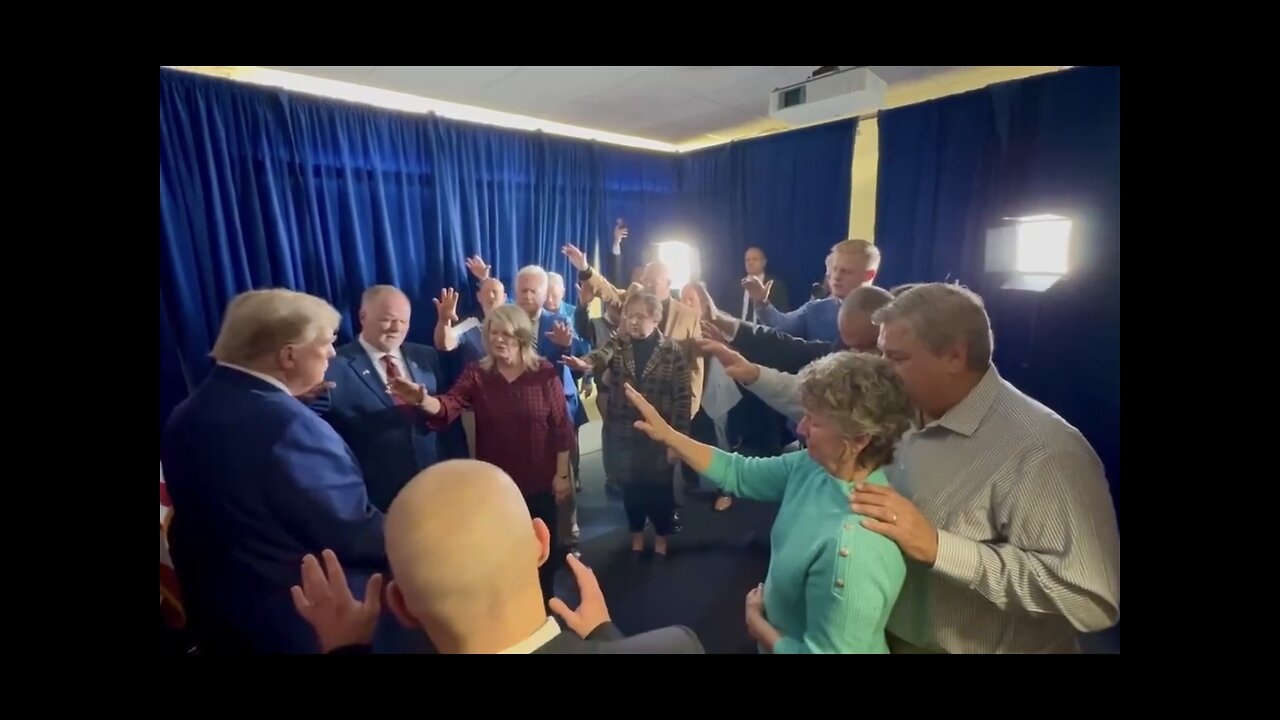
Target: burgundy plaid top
[520, 425]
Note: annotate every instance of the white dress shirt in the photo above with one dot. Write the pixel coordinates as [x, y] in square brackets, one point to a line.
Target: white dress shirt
[543, 635]
[380, 365]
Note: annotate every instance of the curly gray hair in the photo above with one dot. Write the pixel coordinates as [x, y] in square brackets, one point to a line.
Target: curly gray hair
[863, 396]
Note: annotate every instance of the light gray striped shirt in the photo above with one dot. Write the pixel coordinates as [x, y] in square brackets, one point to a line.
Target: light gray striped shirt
[1028, 548]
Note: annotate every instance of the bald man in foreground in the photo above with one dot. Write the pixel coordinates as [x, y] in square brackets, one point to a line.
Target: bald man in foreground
[465, 554]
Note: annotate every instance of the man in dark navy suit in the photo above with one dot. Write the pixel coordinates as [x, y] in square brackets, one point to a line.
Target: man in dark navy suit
[390, 439]
[259, 481]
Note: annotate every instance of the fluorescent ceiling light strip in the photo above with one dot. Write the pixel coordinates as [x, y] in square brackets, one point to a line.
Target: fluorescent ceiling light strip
[416, 104]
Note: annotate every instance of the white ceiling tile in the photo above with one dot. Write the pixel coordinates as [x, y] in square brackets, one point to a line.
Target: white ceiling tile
[671, 103]
[343, 73]
[456, 83]
[564, 83]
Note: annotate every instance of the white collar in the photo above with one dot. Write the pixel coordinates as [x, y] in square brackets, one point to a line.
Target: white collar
[376, 355]
[261, 376]
[543, 635]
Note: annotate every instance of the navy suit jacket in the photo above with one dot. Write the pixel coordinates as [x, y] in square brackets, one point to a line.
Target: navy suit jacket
[390, 448]
[257, 481]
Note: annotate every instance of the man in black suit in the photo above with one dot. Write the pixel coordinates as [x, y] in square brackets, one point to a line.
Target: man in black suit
[465, 554]
[389, 439]
[755, 262]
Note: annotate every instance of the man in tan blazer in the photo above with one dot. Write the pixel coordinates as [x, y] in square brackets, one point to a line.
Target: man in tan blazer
[679, 321]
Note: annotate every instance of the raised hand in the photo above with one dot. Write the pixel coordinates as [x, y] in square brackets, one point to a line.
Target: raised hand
[447, 305]
[578, 364]
[758, 291]
[576, 258]
[327, 604]
[712, 331]
[705, 304]
[477, 267]
[652, 425]
[592, 612]
[735, 365]
[407, 390]
[561, 335]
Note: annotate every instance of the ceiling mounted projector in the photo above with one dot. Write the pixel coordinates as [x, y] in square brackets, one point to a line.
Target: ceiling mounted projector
[831, 93]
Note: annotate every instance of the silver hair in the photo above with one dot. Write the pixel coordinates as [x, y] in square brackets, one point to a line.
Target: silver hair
[942, 314]
[376, 291]
[537, 272]
[863, 396]
[555, 278]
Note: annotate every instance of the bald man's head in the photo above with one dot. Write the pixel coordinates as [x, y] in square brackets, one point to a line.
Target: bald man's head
[491, 294]
[462, 547]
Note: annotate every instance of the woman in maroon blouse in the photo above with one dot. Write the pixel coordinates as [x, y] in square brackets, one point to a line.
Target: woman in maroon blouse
[522, 424]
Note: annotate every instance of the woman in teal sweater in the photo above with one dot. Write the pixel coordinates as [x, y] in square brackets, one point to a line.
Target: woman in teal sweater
[832, 583]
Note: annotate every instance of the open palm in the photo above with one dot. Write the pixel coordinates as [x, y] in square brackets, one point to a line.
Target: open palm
[652, 425]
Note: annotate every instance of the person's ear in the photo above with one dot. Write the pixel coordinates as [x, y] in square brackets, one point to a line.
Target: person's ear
[543, 536]
[400, 608]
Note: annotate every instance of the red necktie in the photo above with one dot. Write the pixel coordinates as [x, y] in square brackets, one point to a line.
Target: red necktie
[393, 372]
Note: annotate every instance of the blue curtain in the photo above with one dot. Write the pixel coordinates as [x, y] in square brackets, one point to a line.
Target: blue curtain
[787, 194]
[262, 188]
[640, 188]
[951, 168]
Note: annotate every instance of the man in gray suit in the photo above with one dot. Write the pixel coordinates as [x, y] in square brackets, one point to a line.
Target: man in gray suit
[465, 554]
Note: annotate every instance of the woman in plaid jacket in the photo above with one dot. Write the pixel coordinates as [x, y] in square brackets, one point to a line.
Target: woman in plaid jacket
[656, 366]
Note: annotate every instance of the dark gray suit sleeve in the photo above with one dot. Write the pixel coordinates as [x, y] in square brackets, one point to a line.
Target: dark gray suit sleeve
[606, 632]
[672, 640]
[778, 296]
[773, 348]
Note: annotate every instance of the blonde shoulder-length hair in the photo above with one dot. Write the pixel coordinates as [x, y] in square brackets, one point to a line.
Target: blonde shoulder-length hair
[510, 319]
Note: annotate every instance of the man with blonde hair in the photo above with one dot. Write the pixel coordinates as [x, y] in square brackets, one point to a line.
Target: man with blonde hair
[850, 265]
[258, 480]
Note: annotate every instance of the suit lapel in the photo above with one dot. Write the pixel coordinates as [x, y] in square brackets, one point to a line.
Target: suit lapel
[419, 374]
[629, 360]
[363, 367]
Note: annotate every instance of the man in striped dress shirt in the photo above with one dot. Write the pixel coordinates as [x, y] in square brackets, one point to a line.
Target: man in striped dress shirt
[1000, 506]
